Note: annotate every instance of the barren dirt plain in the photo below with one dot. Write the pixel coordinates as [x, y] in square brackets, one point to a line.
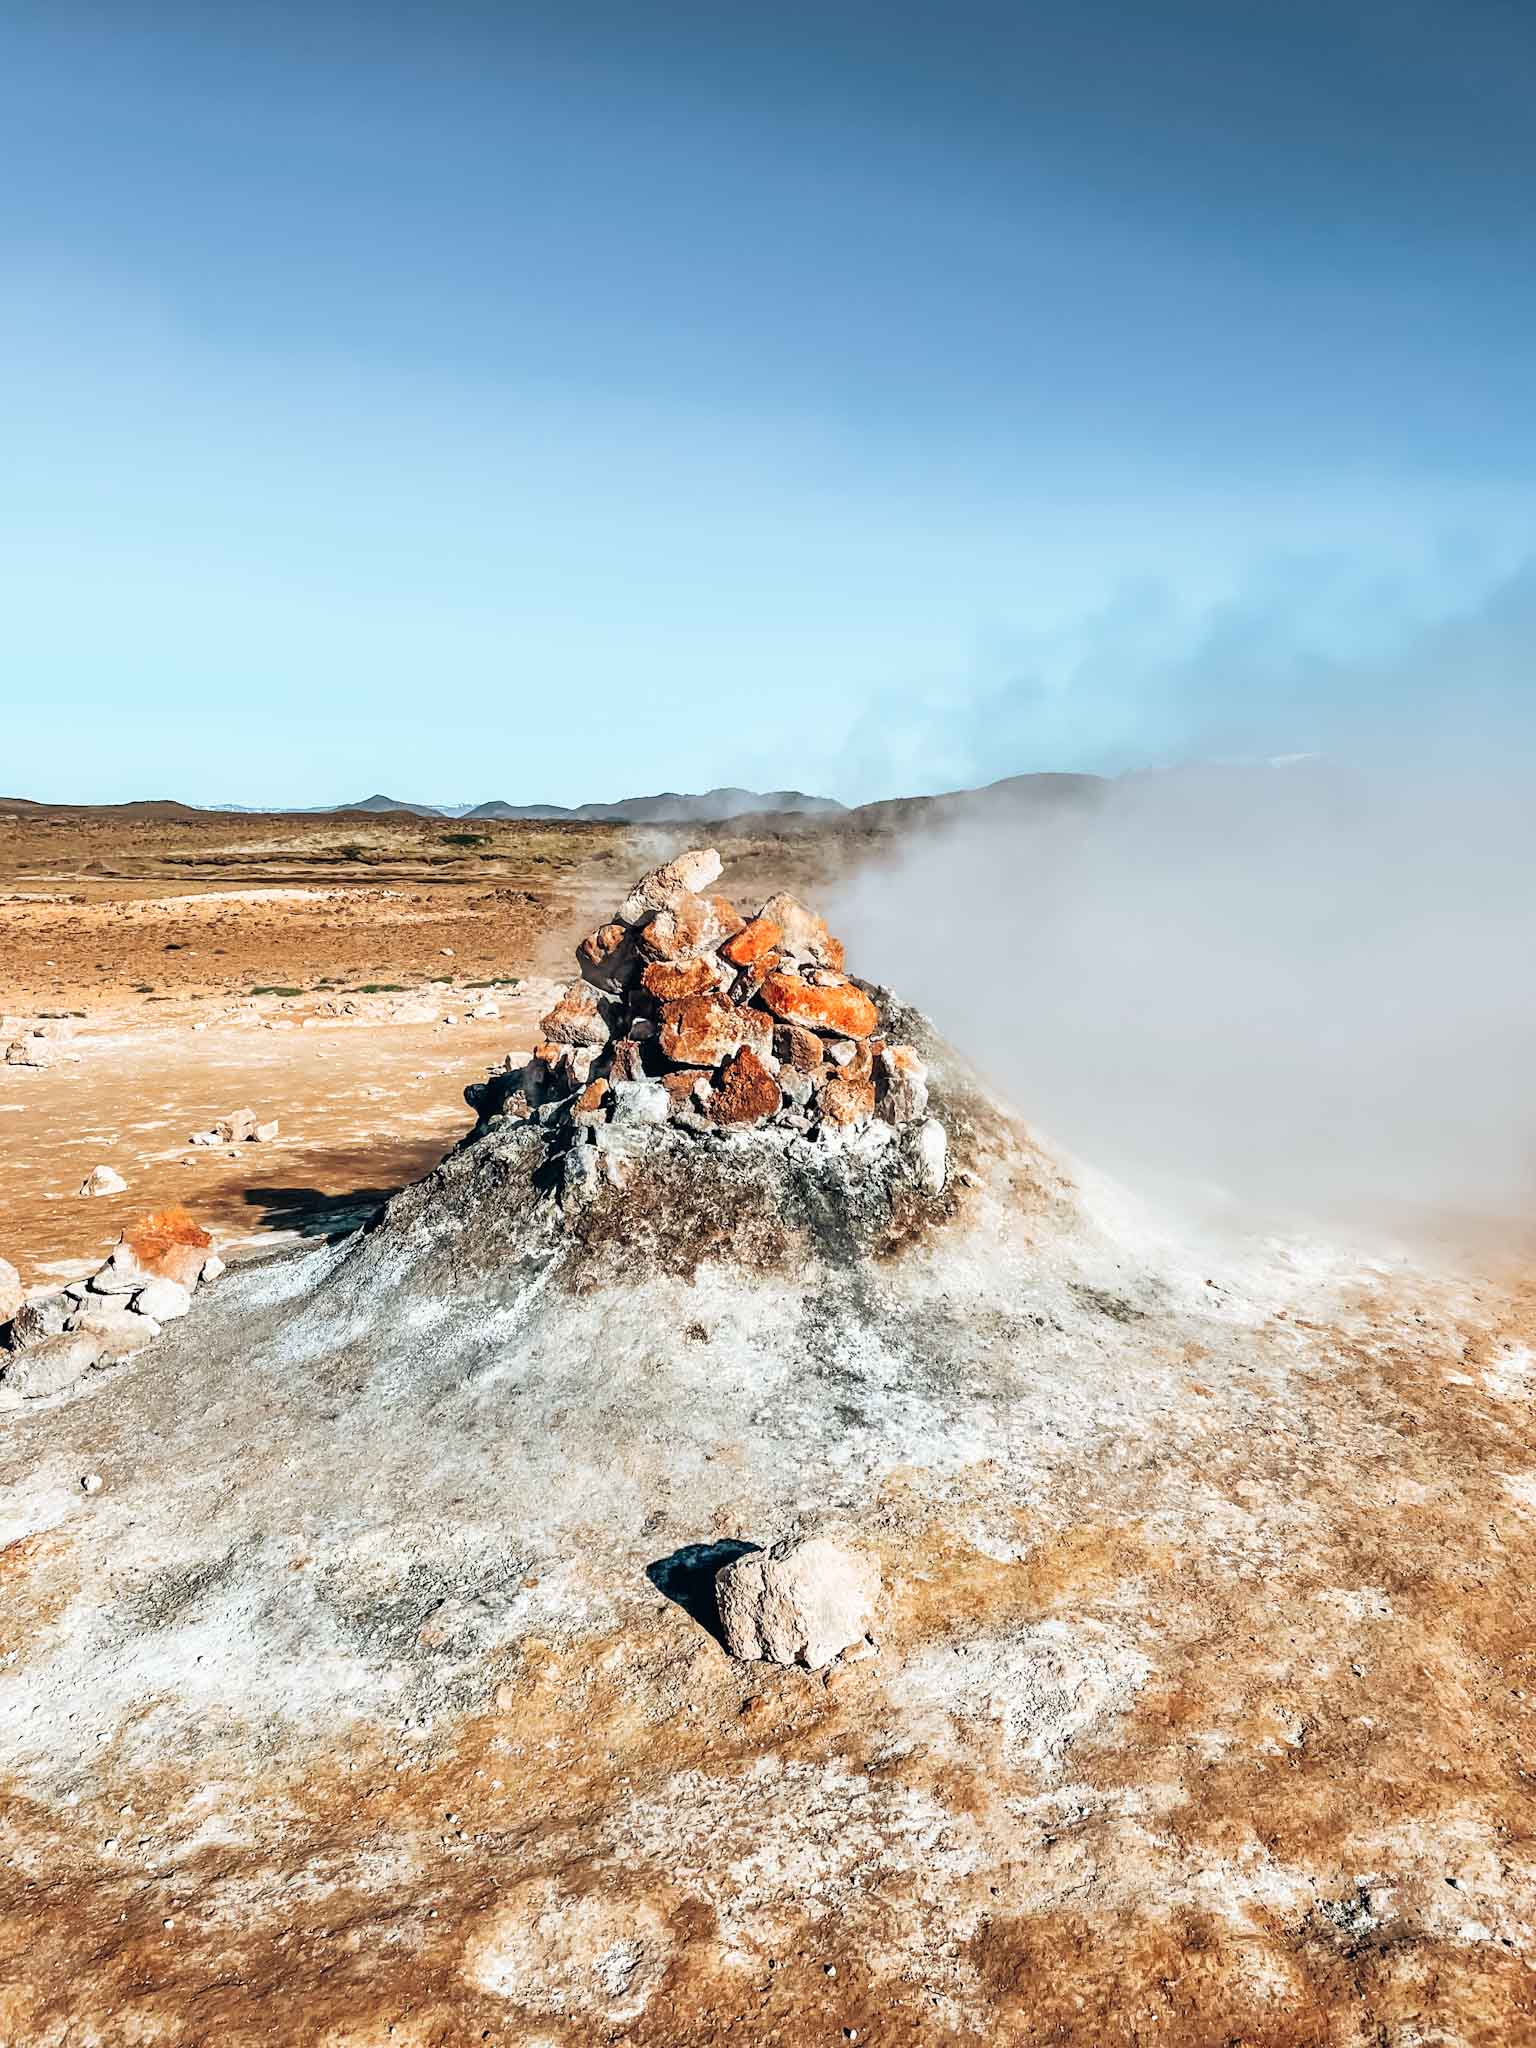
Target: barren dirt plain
[323, 971]
[1203, 1711]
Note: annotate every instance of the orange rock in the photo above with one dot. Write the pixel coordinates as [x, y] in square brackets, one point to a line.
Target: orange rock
[688, 926]
[600, 945]
[591, 1098]
[751, 943]
[158, 1232]
[701, 1031]
[546, 1052]
[845, 1101]
[845, 1009]
[745, 1091]
[576, 1019]
[169, 1245]
[669, 981]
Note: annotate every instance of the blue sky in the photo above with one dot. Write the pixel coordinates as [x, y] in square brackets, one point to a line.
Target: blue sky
[496, 400]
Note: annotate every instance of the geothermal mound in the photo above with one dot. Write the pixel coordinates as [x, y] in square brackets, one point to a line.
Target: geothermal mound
[372, 1695]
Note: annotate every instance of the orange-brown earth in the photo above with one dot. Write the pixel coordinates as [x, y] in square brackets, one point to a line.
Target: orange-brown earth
[188, 964]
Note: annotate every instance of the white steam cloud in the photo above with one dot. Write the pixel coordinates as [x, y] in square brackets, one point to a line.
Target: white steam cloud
[1305, 985]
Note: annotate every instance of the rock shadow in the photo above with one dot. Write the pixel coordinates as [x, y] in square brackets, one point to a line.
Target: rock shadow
[310, 1212]
[687, 1578]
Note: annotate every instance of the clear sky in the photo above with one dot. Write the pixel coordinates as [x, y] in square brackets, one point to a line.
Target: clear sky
[566, 402]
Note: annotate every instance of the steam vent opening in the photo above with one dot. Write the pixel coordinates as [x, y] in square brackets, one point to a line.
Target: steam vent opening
[756, 1545]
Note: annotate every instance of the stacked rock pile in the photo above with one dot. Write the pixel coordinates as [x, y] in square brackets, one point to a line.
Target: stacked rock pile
[688, 1013]
[154, 1270]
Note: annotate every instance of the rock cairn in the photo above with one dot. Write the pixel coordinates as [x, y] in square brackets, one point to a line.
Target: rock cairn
[49, 1344]
[689, 1014]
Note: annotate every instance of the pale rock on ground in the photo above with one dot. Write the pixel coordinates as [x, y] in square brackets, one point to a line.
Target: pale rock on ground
[12, 1293]
[52, 1365]
[164, 1300]
[804, 1601]
[103, 1180]
[120, 1332]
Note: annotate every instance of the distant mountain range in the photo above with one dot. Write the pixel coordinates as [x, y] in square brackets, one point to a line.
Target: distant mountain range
[669, 808]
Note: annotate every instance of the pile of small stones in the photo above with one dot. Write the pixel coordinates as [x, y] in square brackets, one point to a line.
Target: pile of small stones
[155, 1269]
[689, 1014]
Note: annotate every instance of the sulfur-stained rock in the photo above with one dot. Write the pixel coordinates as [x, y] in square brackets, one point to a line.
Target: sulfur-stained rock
[804, 933]
[688, 927]
[754, 942]
[902, 1085]
[845, 1010]
[577, 1019]
[745, 1092]
[804, 1601]
[53, 1365]
[609, 958]
[701, 1031]
[669, 981]
[688, 874]
[12, 1293]
[844, 1101]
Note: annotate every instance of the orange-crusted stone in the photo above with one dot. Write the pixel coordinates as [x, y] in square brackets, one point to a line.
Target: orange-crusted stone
[752, 942]
[670, 980]
[701, 1031]
[745, 1091]
[842, 1100]
[845, 1010]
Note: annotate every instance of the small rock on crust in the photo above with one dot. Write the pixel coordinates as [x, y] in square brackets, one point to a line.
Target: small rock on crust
[929, 1153]
[845, 1009]
[211, 1267]
[165, 1300]
[103, 1180]
[745, 1092]
[802, 1602]
[50, 1367]
[263, 1134]
[658, 890]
